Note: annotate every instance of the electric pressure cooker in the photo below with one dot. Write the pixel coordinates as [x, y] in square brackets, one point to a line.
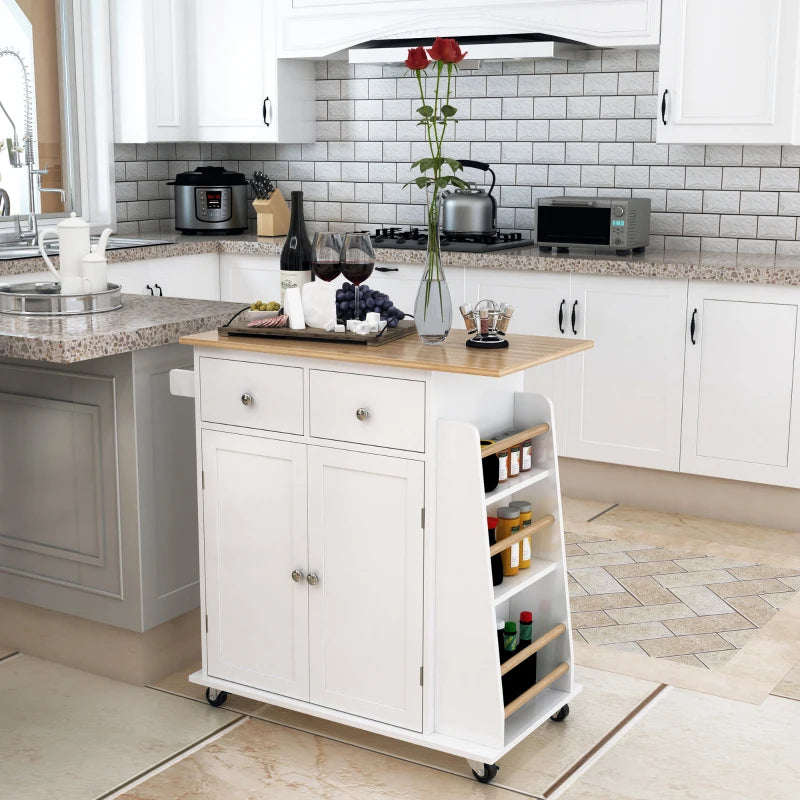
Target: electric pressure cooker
[210, 200]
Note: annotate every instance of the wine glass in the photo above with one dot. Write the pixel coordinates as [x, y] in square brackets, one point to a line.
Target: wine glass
[326, 255]
[358, 261]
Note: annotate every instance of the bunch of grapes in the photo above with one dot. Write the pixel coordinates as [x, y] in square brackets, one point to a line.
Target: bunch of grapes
[368, 300]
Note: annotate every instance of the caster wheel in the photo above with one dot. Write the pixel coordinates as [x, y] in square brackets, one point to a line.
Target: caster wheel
[489, 773]
[215, 697]
[561, 714]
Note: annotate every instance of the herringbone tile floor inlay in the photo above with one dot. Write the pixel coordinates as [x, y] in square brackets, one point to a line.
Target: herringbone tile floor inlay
[686, 607]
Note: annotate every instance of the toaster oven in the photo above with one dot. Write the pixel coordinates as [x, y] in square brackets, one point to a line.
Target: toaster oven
[620, 224]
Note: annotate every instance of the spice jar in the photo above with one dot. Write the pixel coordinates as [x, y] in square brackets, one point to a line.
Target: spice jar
[497, 561]
[514, 462]
[507, 525]
[525, 510]
[503, 458]
[469, 318]
[526, 456]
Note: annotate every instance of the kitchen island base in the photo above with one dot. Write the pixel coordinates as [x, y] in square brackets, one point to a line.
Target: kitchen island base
[345, 557]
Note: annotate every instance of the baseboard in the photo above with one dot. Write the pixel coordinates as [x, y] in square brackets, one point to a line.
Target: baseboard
[137, 658]
[678, 493]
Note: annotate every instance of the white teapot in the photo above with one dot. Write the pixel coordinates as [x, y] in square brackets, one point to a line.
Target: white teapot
[73, 244]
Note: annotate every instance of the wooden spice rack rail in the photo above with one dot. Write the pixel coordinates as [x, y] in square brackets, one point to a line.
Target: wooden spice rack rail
[537, 688]
[533, 647]
[533, 528]
[516, 438]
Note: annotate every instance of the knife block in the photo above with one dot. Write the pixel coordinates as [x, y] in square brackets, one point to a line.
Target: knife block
[272, 215]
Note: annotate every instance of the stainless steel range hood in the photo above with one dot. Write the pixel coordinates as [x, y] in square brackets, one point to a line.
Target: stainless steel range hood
[479, 48]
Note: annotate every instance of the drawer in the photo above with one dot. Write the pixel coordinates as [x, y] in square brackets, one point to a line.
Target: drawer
[386, 412]
[251, 395]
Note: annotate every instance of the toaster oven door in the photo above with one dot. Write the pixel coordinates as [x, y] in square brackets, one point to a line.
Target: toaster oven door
[565, 225]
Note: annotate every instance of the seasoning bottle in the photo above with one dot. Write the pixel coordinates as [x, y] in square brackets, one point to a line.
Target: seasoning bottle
[497, 561]
[506, 313]
[509, 649]
[501, 629]
[525, 510]
[526, 456]
[508, 525]
[523, 676]
[514, 462]
[469, 318]
[503, 457]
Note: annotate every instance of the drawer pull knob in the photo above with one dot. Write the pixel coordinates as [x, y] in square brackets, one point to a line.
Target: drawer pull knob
[297, 575]
[362, 415]
[247, 399]
[312, 579]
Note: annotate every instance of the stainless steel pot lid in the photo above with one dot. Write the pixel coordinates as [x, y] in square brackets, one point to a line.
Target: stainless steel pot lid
[209, 176]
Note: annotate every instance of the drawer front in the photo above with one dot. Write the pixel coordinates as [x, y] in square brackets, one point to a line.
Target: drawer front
[251, 395]
[385, 412]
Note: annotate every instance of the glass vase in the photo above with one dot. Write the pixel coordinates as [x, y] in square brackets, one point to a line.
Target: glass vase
[433, 308]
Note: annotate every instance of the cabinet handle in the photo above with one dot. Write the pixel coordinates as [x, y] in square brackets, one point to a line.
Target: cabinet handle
[297, 575]
[151, 289]
[312, 579]
[362, 415]
[267, 107]
[561, 316]
[160, 290]
[693, 327]
[247, 399]
[664, 106]
[574, 317]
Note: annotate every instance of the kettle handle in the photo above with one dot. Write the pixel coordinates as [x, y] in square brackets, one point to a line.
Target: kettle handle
[466, 162]
[42, 236]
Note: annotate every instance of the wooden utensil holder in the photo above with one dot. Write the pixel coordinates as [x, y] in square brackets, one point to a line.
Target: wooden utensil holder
[272, 215]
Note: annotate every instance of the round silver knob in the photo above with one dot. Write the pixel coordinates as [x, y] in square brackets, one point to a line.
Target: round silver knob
[362, 415]
[312, 579]
[247, 399]
[618, 211]
[297, 575]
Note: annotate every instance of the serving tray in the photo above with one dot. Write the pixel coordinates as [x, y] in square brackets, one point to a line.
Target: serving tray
[404, 328]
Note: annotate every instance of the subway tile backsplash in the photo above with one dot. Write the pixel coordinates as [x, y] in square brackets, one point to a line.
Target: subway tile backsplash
[581, 127]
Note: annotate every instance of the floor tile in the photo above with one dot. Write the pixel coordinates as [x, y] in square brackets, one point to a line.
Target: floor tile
[779, 599]
[626, 647]
[760, 571]
[596, 580]
[648, 568]
[699, 747]
[77, 735]
[739, 638]
[715, 562]
[744, 588]
[683, 645]
[615, 546]
[178, 683]
[689, 658]
[625, 633]
[702, 578]
[660, 554]
[576, 510]
[600, 602]
[716, 658]
[701, 600]
[5, 652]
[574, 550]
[790, 685]
[758, 611]
[658, 613]
[648, 591]
[714, 623]
[792, 583]
[591, 619]
[597, 560]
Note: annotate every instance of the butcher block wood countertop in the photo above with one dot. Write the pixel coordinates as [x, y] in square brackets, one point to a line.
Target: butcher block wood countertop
[523, 353]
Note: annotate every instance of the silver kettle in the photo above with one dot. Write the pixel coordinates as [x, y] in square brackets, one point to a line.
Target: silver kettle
[472, 211]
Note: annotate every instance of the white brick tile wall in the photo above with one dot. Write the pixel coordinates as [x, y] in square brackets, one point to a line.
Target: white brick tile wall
[585, 126]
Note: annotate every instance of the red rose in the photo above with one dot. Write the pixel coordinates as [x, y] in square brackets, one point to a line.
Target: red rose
[446, 50]
[417, 58]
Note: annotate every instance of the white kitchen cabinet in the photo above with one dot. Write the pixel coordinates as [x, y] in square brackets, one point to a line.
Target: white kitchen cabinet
[314, 28]
[728, 72]
[247, 278]
[206, 71]
[742, 398]
[255, 551]
[365, 540]
[625, 395]
[195, 276]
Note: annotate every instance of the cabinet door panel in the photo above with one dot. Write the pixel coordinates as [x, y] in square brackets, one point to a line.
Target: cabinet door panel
[625, 395]
[740, 403]
[735, 86]
[365, 614]
[255, 535]
[195, 276]
[247, 278]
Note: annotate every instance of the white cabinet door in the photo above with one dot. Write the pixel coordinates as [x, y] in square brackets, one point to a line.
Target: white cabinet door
[132, 276]
[365, 545]
[242, 92]
[254, 522]
[625, 395]
[542, 307]
[728, 71]
[741, 397]
[247, 278]
[195, 276]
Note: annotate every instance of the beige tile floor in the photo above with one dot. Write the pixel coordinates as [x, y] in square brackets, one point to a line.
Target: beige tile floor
[5, 653]
[790, 685]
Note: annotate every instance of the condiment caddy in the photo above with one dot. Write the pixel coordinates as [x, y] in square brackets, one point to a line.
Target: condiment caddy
[487, 322]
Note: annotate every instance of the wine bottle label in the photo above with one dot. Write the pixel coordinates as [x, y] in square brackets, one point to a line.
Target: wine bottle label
[291, 279]
[526, 549]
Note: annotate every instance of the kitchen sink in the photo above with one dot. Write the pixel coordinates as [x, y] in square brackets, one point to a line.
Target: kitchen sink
[11, 250]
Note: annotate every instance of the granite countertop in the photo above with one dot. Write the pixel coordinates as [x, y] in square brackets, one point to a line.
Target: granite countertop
[677, 264]
[142, 322]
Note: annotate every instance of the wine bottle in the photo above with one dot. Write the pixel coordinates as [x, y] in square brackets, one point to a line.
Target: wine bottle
[296, 253]
[509, 649]
[523, 676]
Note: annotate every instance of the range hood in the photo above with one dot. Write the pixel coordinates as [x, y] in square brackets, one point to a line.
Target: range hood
[479, 48]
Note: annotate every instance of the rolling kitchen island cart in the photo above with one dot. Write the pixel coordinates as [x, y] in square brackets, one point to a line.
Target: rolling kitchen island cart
[345, 557]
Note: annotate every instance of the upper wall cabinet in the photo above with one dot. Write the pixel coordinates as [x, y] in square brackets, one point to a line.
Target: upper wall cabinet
[314, 28]
[729, 72]
[205, 71]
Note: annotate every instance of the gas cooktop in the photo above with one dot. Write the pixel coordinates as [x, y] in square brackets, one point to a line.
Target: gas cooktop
[417, 239]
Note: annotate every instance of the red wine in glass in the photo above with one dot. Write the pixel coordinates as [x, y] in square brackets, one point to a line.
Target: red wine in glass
[326, 270]
[358, 261]
[357, 273]
[326, 255]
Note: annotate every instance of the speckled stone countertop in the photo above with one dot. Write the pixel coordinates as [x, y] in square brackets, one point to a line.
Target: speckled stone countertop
[142, 322]
[678, 264]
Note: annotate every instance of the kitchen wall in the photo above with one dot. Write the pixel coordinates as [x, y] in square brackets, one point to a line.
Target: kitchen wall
[548, 128]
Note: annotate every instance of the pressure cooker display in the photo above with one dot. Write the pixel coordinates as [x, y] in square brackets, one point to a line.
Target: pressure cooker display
[214, 199]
